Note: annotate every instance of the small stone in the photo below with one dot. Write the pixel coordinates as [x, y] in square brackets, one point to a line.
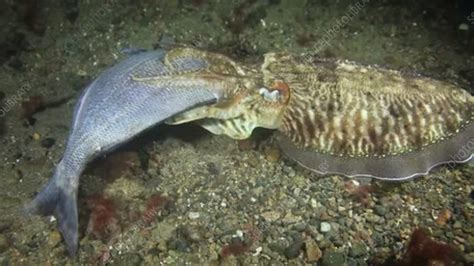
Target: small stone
[271, 216]
[291, 219]
[325, 227]
[443, 217]
[3, 243]
[313, 253]
[314, 203]
[300, 227]
[278, 247]
[247, 144]
[293, 250]
[179, 244]
[380, 210]
[333, 258]
[130, 259]
[457, 225]
[36, 136]
[194, 215]
[272, 154]
[357, 250]
[47, 143]
[81, 72]
[54, 238]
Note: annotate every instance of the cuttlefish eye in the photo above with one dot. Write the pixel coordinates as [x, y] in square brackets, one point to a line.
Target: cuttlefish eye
[270, 95]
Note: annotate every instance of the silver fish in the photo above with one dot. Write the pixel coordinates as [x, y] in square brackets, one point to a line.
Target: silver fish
[136, 94]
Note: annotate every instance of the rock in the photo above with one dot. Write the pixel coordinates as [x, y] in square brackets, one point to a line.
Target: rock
[163, 231]
[291, 219]
[443, 217]
[272, 154]
[271, 216]
[47, 142]
[333, 258]
[54, 238]
[325, 227]
[457, 225]
[293, 250]
[179, 244]
[300, 226]
[357, 250]
[277, 247]
[3, 243]
[247, 144]
[193, 215]
[380, 210]
[313, 253]
[130, 259]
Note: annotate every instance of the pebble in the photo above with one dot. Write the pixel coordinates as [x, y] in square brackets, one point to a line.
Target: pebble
[36, 136]
[272, 154]
[293, 250]
[313, 253]
[47, 143]
[443, 217]
[325, 227]
[179, 244]
[54, 238]
[193, 215]
[380, 210]
[300, 226]
[333, 258]
[271, 216]
[291, 219]
[3, 243]
[130, 259]
[457, 225]
[357, 250]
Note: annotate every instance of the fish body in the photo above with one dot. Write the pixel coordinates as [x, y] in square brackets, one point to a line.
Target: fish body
[137, 93]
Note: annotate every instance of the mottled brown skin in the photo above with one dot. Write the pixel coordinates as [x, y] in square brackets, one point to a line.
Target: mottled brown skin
[348, 115]
[345, 109]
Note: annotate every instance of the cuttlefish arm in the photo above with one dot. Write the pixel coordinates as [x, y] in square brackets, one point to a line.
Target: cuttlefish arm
[355, 120]
[242, 111]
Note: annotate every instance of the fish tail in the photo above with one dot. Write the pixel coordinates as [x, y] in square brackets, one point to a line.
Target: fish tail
[59, 199]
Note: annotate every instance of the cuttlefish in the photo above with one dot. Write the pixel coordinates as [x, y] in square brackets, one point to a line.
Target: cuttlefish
[331, 116]
[340, 117]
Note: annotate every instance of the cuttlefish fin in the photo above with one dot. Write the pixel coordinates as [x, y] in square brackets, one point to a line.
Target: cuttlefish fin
[457, 149]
